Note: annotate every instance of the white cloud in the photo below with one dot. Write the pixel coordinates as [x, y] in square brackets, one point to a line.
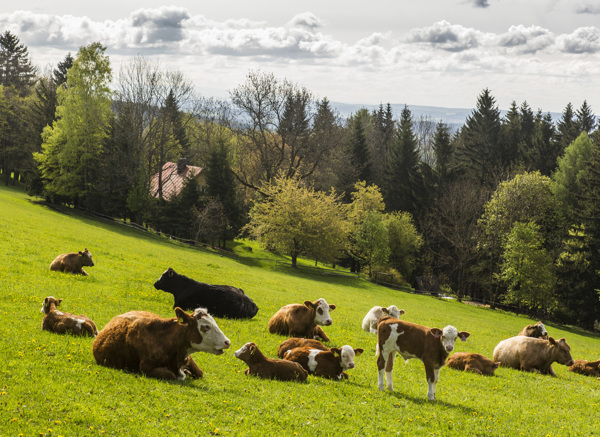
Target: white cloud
[446, 36]
[527, 40]
[583, 40]
[306, 19]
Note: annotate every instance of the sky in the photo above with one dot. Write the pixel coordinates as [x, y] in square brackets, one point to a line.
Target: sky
[421, 52]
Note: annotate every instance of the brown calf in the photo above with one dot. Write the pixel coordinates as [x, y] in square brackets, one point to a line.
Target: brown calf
[531, 354]
[470, 362]
[65, 323]
[328, 364]
[302, 320]
[430, 345]
[264, 367]
[292, 343]
[72, 262]
[585, 367]
[536, 331]
[140, 341]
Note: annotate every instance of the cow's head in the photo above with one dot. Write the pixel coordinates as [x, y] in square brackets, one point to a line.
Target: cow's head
[393, 311]
[562, 351]
[346, 355]
[246, 352]
[86, 258]
[48, 302]
[168, 274]
[448, 336]
[202, 331]
[322, 309]
[538, 331]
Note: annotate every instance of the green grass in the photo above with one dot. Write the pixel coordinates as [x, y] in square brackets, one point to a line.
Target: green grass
[50, 384]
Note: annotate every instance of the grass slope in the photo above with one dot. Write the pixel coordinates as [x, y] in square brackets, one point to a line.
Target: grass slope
[51, 385]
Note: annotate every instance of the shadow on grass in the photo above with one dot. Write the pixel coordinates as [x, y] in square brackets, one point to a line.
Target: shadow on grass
[424, 401]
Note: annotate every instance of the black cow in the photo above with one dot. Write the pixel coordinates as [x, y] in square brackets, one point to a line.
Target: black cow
[219, 300]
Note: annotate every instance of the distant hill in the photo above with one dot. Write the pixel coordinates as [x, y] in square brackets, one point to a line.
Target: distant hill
[455, 117]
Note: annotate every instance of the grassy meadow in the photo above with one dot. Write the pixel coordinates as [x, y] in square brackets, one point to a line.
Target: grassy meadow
[50, 385]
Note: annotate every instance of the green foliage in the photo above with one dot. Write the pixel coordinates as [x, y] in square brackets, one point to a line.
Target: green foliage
[51, 384]
[295, 220]
[404, 243]
[527, 269]
[72, 145]
[569, 173]
[372, 241]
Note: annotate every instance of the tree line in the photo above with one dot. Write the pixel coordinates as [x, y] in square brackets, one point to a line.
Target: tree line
[503, 209]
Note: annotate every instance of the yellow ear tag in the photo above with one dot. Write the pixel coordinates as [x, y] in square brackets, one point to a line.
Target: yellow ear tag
[180, 320]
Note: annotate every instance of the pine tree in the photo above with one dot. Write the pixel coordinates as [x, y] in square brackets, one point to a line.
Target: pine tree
[545, 150]
[444, 152]
[479, 147]
[404, 182]
[511, 136]
[16, 69]
[359, 156]
[585, 118]
[566, 129]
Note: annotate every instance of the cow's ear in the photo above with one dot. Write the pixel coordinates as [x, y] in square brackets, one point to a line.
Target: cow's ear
[331, 307]
[336, 351]
[252, 349]
[58, 302]
[309, 304]
[402, 312]
[551, 340]
[463, 335]
[385, 311]
[437, 332]
[80, 253]
[496, 365]
[358, 351]
[170, 272]
[182, 317]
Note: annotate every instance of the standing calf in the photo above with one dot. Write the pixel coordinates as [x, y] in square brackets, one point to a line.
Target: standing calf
[430, 345]
[329, 364]
[63, 323]
[369, 323]
[264, 367]
[470, 362]
[72, 262]
[529, 354]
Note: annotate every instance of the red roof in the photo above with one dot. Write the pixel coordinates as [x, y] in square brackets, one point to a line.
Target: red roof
[173, 180]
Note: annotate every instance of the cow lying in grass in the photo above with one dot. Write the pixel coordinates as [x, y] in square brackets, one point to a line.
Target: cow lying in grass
[72, 262]
[264, 367]
[328, 364]
[533, 354]
[65, 323]
[585, 367]
[470, 362]
[140, 341]
[219, 300]
[302, 320]
[292, 343]
[369, 323]
[536, 331]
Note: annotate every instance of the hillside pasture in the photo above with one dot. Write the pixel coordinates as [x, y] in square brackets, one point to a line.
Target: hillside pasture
[50, 384]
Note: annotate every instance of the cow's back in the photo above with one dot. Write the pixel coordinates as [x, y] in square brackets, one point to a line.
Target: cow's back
[113, 346]
[512, 351]
[293, 319]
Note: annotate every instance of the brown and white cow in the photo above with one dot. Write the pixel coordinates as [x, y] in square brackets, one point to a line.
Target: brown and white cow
[65, 323]
[141, 341]
[328, 364]
[470, 362]
[585, 367]
[73, 262]
[430, 345]
[536, 331]
[292, 343]
[533, 354]
[302, 320]
[369, 323]
[268, 368]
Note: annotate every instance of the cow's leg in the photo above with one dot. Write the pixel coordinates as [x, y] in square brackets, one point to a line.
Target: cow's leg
[473, 369]
[432, 378]
[380, 369]
[191, 368]
[159, 372]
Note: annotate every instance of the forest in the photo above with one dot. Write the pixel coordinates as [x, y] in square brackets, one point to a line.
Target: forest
[504, 209]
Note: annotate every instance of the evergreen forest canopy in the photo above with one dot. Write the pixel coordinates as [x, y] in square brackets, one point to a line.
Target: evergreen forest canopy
[504, 209]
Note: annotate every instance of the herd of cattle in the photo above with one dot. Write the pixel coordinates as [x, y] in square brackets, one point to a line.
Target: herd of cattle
[140, 341]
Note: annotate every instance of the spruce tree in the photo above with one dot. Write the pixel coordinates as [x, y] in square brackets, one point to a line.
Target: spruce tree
[585, 118]
[479, 146]
[566, 129]
[16, 69]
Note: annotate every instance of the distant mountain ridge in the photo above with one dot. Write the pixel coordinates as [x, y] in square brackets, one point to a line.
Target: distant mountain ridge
[454, 117]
